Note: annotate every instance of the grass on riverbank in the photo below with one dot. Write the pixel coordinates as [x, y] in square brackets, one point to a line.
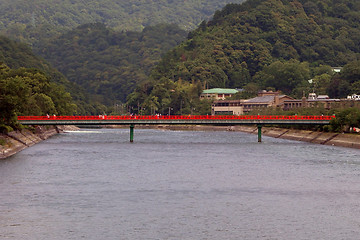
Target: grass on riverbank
[2, 141]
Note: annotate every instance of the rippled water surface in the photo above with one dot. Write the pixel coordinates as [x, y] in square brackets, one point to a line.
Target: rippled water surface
[94, 184]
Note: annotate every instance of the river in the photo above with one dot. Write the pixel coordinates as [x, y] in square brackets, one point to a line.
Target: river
[94, 184]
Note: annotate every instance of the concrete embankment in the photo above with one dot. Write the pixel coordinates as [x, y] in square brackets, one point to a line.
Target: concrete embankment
[17, 141]
[325, 138]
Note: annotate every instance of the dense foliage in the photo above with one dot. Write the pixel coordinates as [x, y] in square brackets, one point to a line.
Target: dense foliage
[26, 91]
[107, 63]
[28, 85]
[346, 120]
[29, 21]
[273, 44]
[277, 44]
[18, 55]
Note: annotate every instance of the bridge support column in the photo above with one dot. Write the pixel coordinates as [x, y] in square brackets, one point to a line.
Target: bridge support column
[259, 132]
[131, 133]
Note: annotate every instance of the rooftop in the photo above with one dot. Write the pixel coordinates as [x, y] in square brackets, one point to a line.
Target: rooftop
[263, 99]
[220, 91]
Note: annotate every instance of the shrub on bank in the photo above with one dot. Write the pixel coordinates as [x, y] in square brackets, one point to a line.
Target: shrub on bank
[5, 129]
[346, 120]
[2, 142]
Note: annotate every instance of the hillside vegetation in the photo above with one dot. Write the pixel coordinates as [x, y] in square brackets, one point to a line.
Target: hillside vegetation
[29, 86]
[276, 44]
[25, 91]
[107, 63]
[17, 55]
[29, 21]
[28, 77]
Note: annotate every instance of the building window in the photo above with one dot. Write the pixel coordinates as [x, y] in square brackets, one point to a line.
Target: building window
[223, 112]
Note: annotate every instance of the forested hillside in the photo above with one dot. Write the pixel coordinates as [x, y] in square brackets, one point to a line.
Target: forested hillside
[277, 44]
[108, 63]
[25, 91]
[29, 21]
[29, 85]
[17, 55]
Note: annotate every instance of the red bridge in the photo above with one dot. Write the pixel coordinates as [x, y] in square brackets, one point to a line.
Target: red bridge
[228, 120]
[24, 119]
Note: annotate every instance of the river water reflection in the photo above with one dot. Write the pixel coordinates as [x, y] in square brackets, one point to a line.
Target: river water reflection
[94, 184]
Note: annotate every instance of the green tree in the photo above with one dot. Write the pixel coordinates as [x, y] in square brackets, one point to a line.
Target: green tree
[351, 72]
[346, 119]
[29, 92]
[284, 76]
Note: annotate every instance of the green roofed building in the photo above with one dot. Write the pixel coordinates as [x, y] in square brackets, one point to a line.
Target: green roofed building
[218, 93]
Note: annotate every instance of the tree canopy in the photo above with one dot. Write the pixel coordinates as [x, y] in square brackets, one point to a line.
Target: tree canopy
[107, 63]
[31, 21]
[18, 55]
[26, 91]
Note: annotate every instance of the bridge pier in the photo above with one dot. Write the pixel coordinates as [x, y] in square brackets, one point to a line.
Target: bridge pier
[131, 133]
[259, 132]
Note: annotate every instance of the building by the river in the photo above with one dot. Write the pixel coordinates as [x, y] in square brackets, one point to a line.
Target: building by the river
[275, 99]
[239, 107]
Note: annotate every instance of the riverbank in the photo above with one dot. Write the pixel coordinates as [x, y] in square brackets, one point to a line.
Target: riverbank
[16, 141]
[326, 138]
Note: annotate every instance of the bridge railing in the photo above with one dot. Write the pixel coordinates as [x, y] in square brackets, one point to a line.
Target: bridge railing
[174, 117]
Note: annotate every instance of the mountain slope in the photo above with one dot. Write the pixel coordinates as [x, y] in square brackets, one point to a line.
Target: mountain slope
[30, 20]
[108, 64]
[242, 39]
[14, 55]
[272, 43]
[28, 85]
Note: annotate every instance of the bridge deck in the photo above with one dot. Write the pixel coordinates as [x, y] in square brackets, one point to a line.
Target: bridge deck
[172, 120]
